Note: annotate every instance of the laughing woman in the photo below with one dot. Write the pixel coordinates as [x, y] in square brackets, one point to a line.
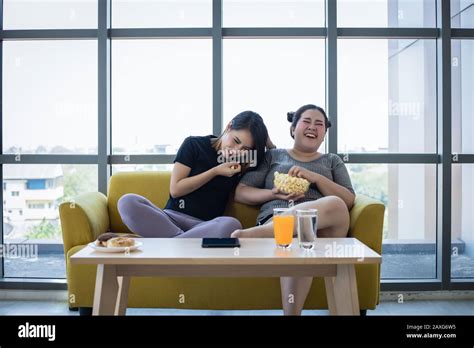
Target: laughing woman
[203, 177]
[331, 191]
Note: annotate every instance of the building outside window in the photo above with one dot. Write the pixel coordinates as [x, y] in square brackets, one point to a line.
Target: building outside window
[273, 57]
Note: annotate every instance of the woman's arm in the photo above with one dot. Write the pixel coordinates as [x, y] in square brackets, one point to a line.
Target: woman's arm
[251, 189]
[330, 188]
[326, 186]
[252, 195]
[257, 196]
[181, 184]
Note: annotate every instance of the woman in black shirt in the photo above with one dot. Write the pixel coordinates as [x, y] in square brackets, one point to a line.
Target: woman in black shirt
[206, 171]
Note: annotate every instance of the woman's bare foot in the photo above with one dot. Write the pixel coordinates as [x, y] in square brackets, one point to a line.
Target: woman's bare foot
[253, 232]
[236, 234]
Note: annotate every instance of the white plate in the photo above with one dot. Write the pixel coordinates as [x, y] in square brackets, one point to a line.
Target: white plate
[114, 249]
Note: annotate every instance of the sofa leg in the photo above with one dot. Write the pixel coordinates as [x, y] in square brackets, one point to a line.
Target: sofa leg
[363, 312]
[85, 311]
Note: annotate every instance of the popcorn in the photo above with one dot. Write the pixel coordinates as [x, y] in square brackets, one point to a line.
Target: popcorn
[290, 184]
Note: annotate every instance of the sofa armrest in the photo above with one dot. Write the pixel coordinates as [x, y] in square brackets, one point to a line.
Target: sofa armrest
[83, 219]
[367, 216]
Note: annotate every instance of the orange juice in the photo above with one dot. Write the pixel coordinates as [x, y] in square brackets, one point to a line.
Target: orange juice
[283, 229]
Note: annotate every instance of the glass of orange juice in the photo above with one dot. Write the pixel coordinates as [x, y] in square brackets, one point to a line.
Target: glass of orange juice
[283, 226]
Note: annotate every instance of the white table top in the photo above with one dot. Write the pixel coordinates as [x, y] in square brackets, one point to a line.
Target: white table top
[253, 251]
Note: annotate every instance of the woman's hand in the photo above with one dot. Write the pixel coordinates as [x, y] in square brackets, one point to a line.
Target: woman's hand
[277, 194]
[227, 169]
[304, 173]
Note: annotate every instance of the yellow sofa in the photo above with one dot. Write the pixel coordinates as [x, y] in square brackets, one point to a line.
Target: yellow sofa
[91, 214]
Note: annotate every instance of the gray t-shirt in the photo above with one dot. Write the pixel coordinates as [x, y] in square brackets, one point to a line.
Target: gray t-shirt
[279, 160]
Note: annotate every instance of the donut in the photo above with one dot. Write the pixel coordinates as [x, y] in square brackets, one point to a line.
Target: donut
[120, 242]
[104, 237]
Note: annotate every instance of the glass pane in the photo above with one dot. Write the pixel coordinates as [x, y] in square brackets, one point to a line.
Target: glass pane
[408, 192]
[31, 197]
[50, 97]
[161, 13]
[161, 93]
[462, 13]
[387, 96]
[270, 13]
[278, 76]
[386, 13]
[117, 168]
[47, 14]
[462, 222]
[463, 96]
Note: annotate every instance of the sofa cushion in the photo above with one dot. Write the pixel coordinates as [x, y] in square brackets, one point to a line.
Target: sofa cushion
[154, 185]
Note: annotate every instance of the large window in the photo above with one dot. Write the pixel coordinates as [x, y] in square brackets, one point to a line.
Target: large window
[272, 77]
[50, 97]
[122, 89]
[161, 93]
[141, 168]
[161, 13]
[462, 13]
[387, 96]
[271, 13]
[49, 14]
[462, 247]
[31, 226]
[386, 13]
[408, 192]
[462, 242]
[463, 96]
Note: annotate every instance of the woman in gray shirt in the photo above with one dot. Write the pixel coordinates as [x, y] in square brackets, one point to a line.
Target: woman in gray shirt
[330, 192]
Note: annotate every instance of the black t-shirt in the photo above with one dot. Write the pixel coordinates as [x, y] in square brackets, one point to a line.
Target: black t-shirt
[208, 201]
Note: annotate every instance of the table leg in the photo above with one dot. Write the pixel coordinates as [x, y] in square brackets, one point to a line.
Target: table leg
[122, 297]
[106, 290]
[341, 291]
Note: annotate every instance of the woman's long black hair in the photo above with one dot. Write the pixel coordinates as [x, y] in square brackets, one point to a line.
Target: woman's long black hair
[253, 122]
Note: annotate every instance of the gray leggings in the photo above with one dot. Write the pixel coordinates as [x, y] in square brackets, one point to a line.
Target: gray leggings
[146, 219]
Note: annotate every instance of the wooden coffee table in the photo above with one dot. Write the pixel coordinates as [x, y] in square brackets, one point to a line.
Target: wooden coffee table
[333, 258]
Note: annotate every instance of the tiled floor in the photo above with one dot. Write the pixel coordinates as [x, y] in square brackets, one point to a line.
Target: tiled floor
[452, 307]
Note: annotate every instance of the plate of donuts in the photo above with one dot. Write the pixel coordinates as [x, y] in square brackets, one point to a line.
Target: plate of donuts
[114, 243]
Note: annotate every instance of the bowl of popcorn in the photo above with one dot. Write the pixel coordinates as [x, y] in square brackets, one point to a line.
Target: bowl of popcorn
[290, 184]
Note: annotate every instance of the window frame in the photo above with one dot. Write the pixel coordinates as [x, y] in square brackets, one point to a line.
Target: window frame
[104, 34]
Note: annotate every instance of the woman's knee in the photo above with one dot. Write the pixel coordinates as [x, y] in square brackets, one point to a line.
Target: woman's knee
[337, 207]
[340, 215]
[325, 205]
[336, 214]
[336, 204]
[128, 202]
[230, 222]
